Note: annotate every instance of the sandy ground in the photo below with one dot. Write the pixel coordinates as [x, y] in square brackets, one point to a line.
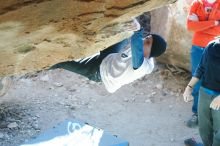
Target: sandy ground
[148, 112]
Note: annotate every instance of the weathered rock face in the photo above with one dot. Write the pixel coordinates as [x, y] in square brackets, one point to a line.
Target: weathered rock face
[173, 27]
[35, 34]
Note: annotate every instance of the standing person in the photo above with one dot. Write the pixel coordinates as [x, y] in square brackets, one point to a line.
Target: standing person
[203, 21]
[209, 95]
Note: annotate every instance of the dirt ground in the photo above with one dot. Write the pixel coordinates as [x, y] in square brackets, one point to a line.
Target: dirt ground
[148, 112]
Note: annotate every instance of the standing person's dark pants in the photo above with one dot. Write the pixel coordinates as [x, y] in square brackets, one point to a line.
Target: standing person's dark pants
[209, 119]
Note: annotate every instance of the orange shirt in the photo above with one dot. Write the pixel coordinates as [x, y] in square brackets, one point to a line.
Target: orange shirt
[202, 23]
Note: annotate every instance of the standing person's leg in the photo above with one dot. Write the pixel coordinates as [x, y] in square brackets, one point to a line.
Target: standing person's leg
[216, 127]
[205, 118]
[196, 54]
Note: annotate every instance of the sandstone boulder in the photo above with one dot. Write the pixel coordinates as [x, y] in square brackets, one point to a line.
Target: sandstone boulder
[173, 27]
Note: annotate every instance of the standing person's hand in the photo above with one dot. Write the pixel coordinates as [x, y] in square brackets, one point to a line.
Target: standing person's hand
[215, 105]
[187, 94]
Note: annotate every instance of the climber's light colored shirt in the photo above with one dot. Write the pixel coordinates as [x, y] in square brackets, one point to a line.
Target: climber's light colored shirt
[116, 69]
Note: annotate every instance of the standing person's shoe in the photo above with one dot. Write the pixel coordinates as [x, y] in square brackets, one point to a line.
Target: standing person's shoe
[191, 142]
[193, 121]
